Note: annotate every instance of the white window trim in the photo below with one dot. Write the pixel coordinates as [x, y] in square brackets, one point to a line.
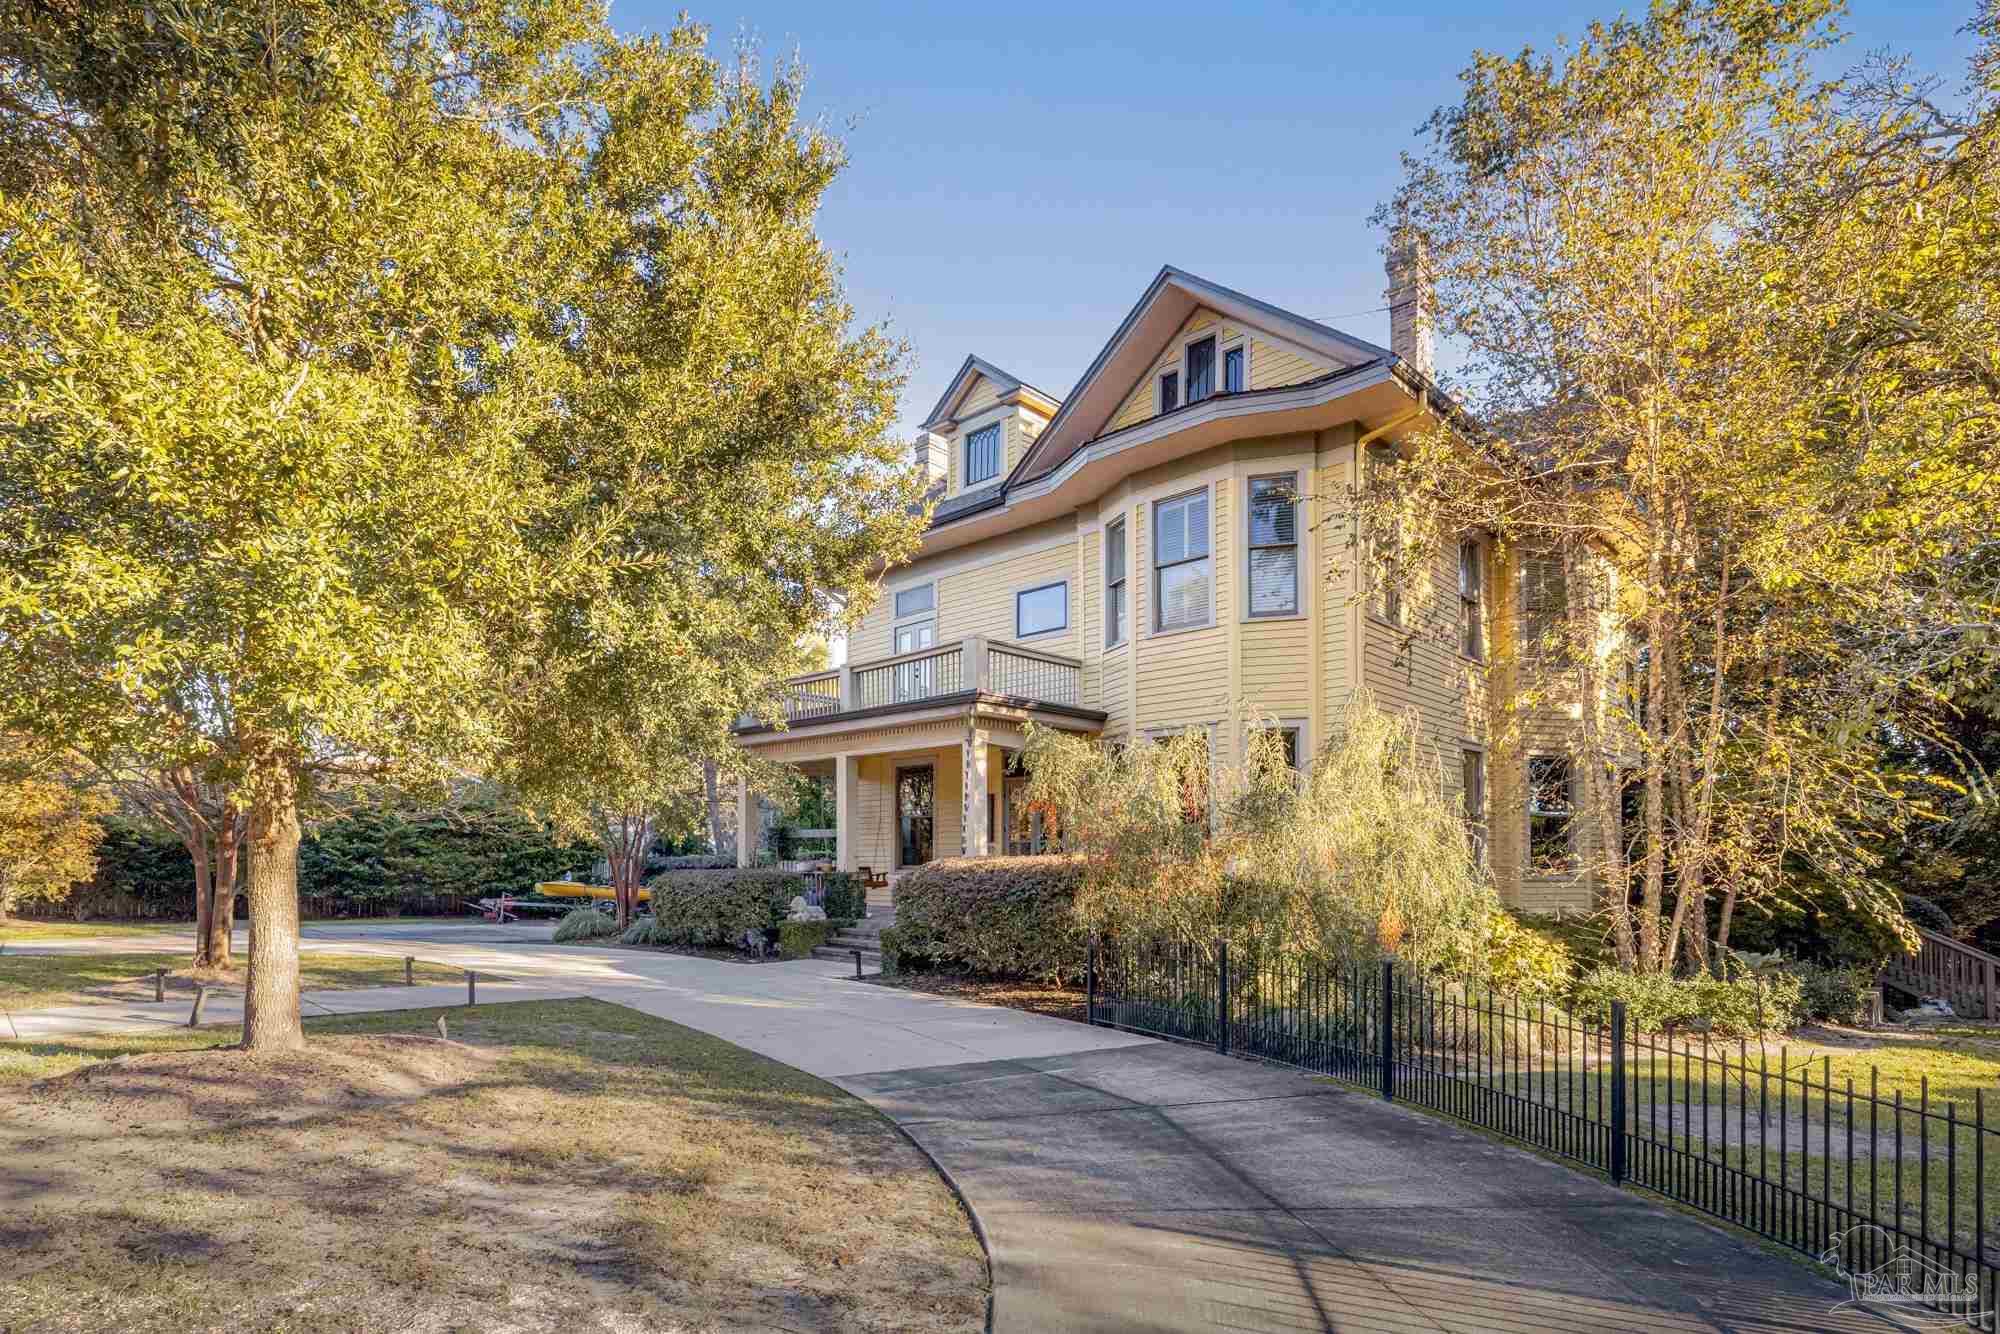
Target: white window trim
[1303, 726]
[1068, 602]
[1211, 333]
[1298, 611]
[1239, 341]
[1159, 389]
[1152, 512]
[898, 622]
[1103, 574]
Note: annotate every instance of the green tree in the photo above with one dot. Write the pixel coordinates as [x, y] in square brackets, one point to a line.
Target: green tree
[386, 369]
[1675, 266]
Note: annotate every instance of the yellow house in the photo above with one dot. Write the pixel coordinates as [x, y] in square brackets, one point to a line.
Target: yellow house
[1148, 555]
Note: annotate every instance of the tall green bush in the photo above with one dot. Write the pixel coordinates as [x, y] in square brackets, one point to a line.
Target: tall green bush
[387, 850]
[717, 907]
[1008, 916]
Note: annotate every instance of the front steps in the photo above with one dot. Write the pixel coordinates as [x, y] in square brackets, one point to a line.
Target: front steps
[865, 935]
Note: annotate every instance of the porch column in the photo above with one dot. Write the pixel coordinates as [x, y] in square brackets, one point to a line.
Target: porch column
[978, 745]
[746, 824]
[847, 812]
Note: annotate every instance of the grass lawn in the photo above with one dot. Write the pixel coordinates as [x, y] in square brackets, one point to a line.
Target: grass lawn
[556, 1165]
[32, 981]
[21, 931]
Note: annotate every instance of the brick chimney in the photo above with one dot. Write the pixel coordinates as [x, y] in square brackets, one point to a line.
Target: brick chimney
[1409, 298]
[928, 454]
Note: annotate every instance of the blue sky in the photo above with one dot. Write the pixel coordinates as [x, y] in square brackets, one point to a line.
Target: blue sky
[1018, 175]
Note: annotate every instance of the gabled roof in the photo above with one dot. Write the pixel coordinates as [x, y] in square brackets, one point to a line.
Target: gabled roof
[977, 366]
[1169, 299]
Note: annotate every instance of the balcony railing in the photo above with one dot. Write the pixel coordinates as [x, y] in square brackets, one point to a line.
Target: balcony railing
[975, 663]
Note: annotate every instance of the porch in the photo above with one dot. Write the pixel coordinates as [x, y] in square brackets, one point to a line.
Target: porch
[917, 749]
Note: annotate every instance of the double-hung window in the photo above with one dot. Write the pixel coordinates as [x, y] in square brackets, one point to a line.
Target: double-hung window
[1471, 578]
[1114, 583]
[1200, 357]
[1274, 545]
[1183, 579]
[1472, 789]
[1170, 391]
[1287, 738]
[982, 455]
[1232, 370]
[1037, 611]
[1551, 815]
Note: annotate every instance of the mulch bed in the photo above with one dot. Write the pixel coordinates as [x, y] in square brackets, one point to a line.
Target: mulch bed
[1058, 1002]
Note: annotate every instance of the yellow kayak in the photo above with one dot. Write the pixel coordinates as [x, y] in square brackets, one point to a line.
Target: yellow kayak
[569, 889]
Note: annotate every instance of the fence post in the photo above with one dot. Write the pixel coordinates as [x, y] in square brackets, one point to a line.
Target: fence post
[1388, 1010]
[1222, 997]
[1090, 979]
[471, 987]
[409, 970]
[1617, 1092]
[160, 984]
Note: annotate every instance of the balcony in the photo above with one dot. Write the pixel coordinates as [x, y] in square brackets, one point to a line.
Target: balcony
[955, 673]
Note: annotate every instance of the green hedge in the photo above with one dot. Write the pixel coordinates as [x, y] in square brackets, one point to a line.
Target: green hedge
[717, 907]
[1007, 916]
[796, 940]
[846, 900]
[1652, 1001]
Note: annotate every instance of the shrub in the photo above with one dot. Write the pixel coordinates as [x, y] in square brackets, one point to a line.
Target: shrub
[1366, 855]
[717, 907]
[1838, 995]
[1008, 916]
[892, 951]
[1514, 957]
[1654, 1000]
[699, 861]
[796, 940]
[1926, 914]
[845, 900]
[586, 924]
[645, 931]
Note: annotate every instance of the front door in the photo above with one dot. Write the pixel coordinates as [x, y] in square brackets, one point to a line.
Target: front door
[914, 789]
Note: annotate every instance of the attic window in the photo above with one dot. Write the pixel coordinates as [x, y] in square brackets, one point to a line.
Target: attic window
[1200, 369]
[982, 454]
[1170, 391]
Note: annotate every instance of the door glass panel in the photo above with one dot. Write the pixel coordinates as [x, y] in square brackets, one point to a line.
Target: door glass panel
[913, 680]
[914, 789]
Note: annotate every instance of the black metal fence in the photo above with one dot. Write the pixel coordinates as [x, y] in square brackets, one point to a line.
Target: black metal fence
[1893, 1187]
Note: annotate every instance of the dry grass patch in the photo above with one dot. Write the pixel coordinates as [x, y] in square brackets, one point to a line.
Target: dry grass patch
[22, 930]
[32, 981]
[566, 1165]
[1054, 1000]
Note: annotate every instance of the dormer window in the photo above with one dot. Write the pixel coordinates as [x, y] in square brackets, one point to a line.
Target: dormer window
[982, 454]
[1232, 370]
[1200, 369]
[1170, 391]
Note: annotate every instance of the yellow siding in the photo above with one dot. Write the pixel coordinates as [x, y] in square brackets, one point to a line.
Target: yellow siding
[1336, 580]
[1183, 678]
[877, 846]
[981, 394]
[981, 601]
[1275, 675]
[1272, 363]
[976, 588]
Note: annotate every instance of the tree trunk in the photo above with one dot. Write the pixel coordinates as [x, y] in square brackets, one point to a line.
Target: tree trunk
[222, 894]
[271, 995]
[196, 842]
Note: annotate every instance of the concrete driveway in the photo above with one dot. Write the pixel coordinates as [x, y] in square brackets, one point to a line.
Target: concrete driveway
[1127, 1184]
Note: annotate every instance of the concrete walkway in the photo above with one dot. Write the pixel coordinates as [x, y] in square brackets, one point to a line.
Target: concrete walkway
[1127, 1184]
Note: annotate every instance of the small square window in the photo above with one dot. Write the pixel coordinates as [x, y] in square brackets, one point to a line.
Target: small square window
[1037, 611]
[916, 601]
